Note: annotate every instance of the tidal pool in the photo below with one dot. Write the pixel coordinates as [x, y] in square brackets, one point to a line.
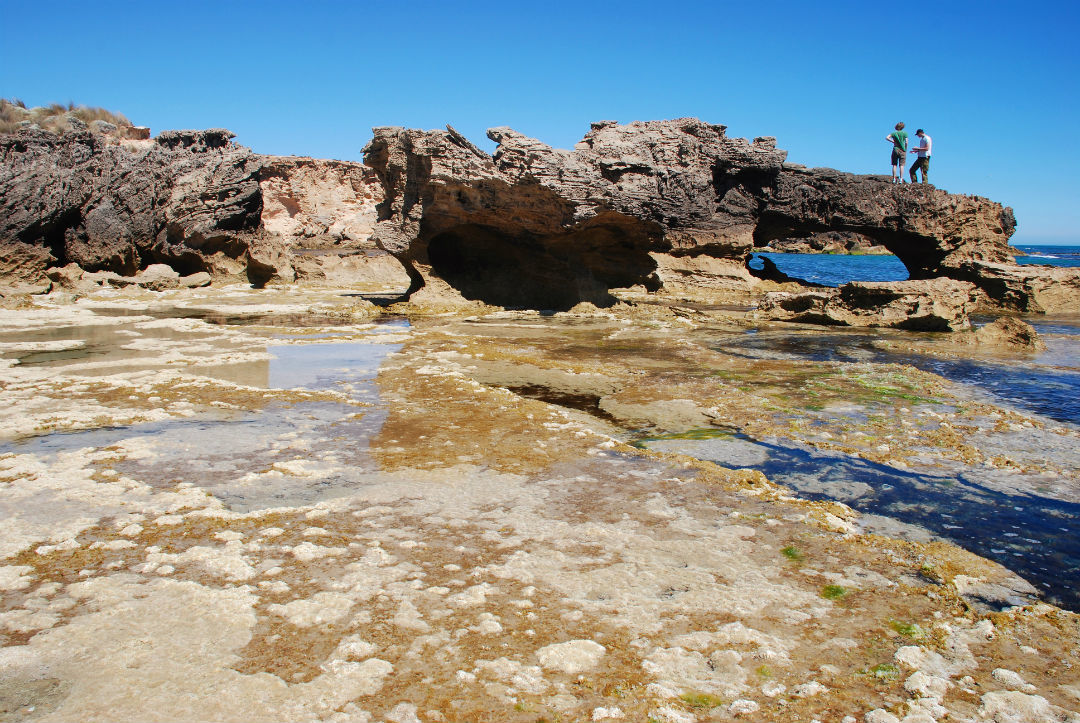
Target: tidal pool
[1037, 537]
[304, 519]
[1047, 383]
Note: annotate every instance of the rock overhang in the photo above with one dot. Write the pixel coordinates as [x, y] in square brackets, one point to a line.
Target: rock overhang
[659, 204]
[686, 188]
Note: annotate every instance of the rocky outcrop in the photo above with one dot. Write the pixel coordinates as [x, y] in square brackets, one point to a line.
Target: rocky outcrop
[924, 305]
[324, 213]
[1010, 333]
[548, 228]
[650, 204]
[185, 199]
[662, 205]
[827, 242]
[156, 277]
[934, 233]
[1026, 288]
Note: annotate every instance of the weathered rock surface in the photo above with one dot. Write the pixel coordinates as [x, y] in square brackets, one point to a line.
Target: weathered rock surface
[659, 205]
[324, 213]
[1011, 333]
[1028, 288]
[920, 305]
[642, 204]
[548, 228]
[827, 242]
[156, 277]
[319, 203]
[181, 199]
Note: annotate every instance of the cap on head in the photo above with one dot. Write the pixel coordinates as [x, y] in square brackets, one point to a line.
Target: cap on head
[919, 132]
[900, 126]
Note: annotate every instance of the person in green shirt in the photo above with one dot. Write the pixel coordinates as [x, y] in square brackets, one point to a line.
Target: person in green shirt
[898, 138]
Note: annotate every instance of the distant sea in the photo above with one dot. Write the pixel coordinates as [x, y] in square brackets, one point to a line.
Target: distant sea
[1050, 255]
[836, 269]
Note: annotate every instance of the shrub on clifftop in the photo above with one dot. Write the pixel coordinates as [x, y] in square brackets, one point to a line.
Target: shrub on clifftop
[56, 117]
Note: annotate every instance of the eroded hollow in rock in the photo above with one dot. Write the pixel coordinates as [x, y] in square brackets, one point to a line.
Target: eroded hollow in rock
[921, 256]
[547, 273]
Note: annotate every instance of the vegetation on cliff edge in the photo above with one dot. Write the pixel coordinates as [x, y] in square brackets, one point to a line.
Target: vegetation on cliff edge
[55, 117]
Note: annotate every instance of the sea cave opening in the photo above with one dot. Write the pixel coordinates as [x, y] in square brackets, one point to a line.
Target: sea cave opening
[832, 258]
[549, 273]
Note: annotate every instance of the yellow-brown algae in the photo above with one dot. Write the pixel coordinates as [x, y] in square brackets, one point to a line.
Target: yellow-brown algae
[487, 555]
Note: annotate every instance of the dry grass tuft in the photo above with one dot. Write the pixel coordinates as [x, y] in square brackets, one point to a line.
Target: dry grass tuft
[55, 117]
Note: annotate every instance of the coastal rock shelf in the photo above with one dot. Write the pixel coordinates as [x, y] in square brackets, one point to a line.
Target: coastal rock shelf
[260, 505]
[661, 207]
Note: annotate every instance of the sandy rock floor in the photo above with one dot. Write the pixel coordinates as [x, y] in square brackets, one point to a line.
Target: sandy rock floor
[236, 505]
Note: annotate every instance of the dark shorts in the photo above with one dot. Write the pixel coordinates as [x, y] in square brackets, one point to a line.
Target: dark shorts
[897, 157]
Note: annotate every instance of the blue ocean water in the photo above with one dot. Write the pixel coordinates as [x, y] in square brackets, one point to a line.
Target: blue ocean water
[1032, 535]
[1050, 255]
[837, 269]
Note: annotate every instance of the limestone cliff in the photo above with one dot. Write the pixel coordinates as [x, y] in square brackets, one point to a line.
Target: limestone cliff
[671, 205]
[185, 199]
[656, 204]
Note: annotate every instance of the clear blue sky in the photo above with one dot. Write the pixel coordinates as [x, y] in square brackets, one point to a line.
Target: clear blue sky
[994, 83]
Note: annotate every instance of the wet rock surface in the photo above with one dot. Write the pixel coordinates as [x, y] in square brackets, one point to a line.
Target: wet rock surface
[1010, 333]
[233, 505]
[932, 305]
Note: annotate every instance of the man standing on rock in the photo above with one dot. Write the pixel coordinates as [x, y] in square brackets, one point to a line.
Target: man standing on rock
[899, 152]
[923, 159]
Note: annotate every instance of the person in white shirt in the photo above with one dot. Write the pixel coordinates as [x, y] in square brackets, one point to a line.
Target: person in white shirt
[922, 162]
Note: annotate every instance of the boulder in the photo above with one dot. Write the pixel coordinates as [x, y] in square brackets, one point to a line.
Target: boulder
[23, 263]
[158, 277]
[926, 305]
[75, 279]
[195, 281]
[1010, 333]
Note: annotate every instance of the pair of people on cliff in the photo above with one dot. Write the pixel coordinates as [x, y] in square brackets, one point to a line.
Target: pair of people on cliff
[899, 139]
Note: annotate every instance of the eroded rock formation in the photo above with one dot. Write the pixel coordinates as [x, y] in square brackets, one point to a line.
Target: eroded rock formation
[829, 242]
[919, 305]
[185, 199]
[660, 203]
[548, 228]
